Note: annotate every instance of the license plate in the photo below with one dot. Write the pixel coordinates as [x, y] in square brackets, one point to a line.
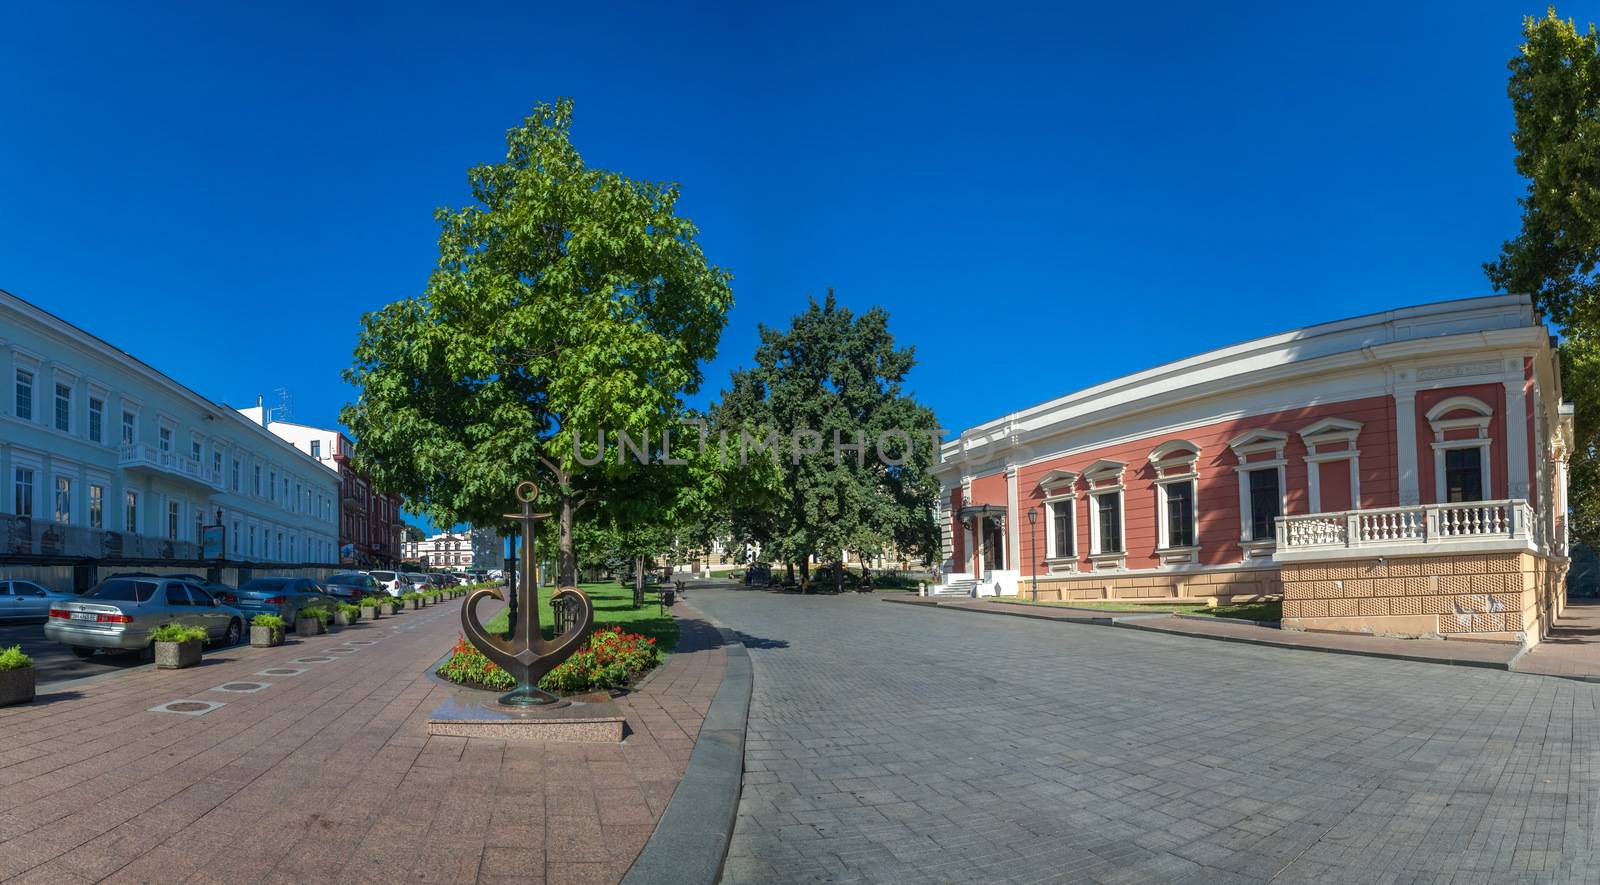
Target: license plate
[84, 616]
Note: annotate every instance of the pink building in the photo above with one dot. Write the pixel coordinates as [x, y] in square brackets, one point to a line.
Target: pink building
[1401, 473]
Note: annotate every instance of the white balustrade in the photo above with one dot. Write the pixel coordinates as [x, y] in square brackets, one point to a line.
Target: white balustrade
[166, 462]
[1419, 524]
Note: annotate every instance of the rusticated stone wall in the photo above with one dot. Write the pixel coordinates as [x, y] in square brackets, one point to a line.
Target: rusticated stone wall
[1224, 584]
[1503, 596]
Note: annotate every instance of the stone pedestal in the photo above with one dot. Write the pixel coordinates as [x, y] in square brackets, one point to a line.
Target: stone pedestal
[593, 718]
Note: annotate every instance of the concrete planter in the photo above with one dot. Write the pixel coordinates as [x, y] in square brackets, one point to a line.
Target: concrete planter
[177, 655]
[416, 604]
[16, 686]
[370, 612]
[342, 619]
[265, 637]
[386, 608]
[307, 626]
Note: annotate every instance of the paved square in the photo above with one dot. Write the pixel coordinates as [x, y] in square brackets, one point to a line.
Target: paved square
[892, 743]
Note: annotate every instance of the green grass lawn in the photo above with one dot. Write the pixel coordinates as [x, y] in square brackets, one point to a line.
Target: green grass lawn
[1249, 611]
[612, 605]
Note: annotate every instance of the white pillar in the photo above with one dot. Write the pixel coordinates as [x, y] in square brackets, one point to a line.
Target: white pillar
[1516, 437]
[1405, 436]
[1013, 525]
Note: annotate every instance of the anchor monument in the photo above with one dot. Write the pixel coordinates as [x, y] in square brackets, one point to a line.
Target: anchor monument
[522, 650]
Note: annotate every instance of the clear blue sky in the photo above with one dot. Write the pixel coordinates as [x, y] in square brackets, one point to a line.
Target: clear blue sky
[1043, 198]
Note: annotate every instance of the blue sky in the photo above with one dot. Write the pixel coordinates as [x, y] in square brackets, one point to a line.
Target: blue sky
[1042, 197]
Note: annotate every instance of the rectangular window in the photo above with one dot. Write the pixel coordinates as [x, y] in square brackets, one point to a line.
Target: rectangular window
[172, 520]
[63, 499]
[1463, 475]
[132, 512]
[236, 474]
[24, 490]
[257, 478]
[1266, 504]
[195, 450]
[1061, 534]
[97, 503]
[25, 394]
[164, 438]
[272, 485]
[316, 448]
[97, 420]
[128, 425]
[64, 408]
[252, 540]
[216, 466]
[1108, 510]
[1180, 513]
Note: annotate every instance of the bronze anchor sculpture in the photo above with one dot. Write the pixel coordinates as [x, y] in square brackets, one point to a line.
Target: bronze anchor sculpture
[523, 651]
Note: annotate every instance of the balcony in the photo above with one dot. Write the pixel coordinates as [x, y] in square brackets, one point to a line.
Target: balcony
[1420, 529]
[170, 464]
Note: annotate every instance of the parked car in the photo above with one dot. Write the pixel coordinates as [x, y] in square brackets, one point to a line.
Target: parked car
[392, 583]
[284, 597]
[25, 600]
[118, 614]
[351, 586]
[419, 581]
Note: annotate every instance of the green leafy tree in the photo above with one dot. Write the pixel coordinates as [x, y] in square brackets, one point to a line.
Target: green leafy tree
[838, 379]
[567, 301]
[1555, 96]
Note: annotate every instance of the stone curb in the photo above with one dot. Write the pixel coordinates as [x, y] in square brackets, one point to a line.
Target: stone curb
[690, 842]
[1135, 621]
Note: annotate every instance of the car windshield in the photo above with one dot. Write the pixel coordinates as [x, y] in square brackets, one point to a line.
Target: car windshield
[384, 576]
[354, 580]
[122, 590]
[258, 585]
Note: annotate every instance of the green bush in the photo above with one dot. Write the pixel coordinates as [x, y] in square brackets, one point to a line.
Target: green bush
[14, 659]
[353, 611]
[267, 621]
[313, 613]
[177, 633]
[609, 659]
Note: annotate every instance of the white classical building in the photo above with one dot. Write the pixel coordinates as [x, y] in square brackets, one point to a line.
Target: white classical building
[451, 550]
[103, 456]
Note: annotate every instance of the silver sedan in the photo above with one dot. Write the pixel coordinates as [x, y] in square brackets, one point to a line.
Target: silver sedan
[118, 614]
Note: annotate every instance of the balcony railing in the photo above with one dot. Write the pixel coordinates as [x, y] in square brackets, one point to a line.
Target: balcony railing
[172, 463]
[1474, 521]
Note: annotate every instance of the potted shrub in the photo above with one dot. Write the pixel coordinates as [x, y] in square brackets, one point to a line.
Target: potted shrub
[369, 608]
[177, 646]
[266, 631]
[412, 600]
[17, 677]
[386, 606]
[346, 614]
[308, 622]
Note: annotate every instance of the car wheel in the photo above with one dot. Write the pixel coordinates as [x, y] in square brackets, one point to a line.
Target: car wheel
[234, 634]
[83, 653]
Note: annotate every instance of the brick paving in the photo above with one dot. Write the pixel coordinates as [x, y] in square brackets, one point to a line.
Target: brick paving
[1573, 648]
[894, 743]
[329, 775]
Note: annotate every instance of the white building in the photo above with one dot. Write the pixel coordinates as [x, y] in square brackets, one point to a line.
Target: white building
[452, 550]
[103, 456]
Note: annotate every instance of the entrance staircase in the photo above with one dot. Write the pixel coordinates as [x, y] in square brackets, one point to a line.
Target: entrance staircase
[958, 587]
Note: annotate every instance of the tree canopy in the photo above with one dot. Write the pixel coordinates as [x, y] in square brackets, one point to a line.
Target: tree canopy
[567, 300]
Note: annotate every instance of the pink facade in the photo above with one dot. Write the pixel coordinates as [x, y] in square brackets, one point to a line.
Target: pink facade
[1439, 404]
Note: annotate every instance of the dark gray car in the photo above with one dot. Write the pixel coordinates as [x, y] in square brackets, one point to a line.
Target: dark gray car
[118, 614]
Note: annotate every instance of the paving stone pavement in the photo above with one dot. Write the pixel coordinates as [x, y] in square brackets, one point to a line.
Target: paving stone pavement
[328, 774]
[892, 743]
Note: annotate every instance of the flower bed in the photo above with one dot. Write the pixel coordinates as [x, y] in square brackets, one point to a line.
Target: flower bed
[609, 659]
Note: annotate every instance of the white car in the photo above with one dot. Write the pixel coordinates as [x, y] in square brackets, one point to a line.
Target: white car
[392, 583]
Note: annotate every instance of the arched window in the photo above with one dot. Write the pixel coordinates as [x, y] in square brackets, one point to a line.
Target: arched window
[1460, 449]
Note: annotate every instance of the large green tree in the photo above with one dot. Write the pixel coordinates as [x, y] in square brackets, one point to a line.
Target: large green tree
[855, 449]
[567, 301]
[1555, 96]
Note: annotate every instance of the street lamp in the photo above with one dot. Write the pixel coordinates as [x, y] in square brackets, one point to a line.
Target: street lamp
[1033, 537]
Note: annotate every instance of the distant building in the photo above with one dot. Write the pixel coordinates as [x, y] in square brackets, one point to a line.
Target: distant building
[369, 522]
[102, 456]
[447, 550]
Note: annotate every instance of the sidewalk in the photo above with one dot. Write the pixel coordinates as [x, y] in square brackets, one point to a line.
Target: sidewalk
[329, 774]
[1459, 652]
[1572, 650]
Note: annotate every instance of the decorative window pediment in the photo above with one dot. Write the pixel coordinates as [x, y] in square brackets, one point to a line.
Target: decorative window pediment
[1059, 483]
[1175, 458]
[1476, 417]
[1104, 473]
[1330, 430]
[1258, 442]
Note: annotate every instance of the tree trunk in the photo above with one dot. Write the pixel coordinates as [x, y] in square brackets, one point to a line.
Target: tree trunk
[805, 575]
[788, 567]
[567, 557]
[638, 581]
